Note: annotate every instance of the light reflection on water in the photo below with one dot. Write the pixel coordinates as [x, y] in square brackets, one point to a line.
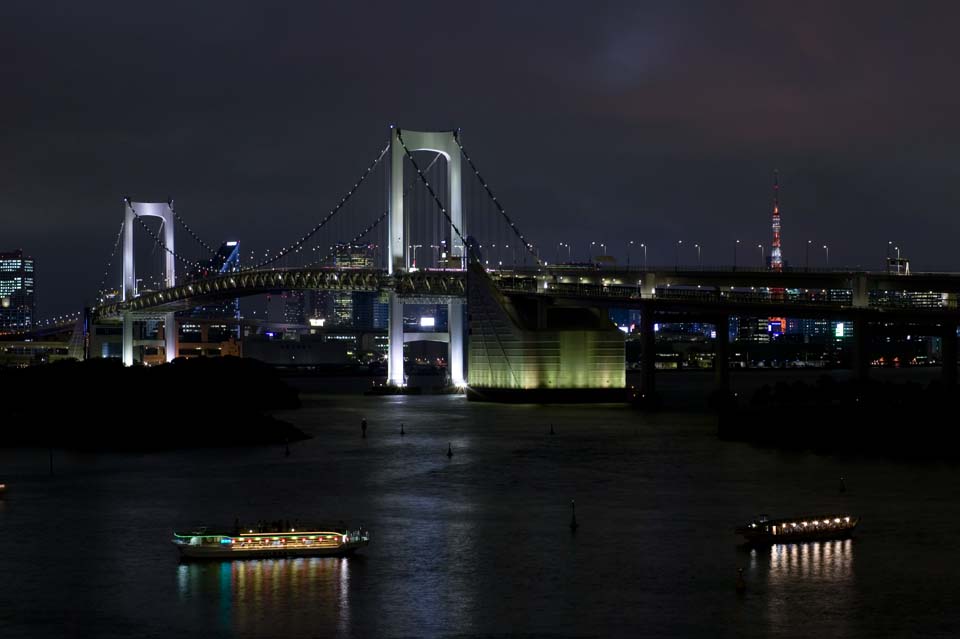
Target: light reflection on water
[804, 579]
[824, 561]
[262, 597]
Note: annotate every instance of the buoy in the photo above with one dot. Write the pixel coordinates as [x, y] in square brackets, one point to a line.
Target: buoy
[401, 430]
[843, 486]
[551, 430]
[287, 451]
[363, 427]
[449, 451]
[741, 584]
[573, 517]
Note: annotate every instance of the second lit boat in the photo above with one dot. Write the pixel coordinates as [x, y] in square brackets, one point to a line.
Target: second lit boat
[796, 529]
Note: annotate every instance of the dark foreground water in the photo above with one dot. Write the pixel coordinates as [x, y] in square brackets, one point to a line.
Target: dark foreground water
[479, 545]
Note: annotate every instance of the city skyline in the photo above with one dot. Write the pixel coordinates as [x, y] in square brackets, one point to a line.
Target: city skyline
[624, 131]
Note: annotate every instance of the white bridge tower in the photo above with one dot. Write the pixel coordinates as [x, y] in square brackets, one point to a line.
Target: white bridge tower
[164, 211]
[445, 143]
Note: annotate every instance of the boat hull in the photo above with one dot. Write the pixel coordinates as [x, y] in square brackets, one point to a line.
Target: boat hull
[202, 553]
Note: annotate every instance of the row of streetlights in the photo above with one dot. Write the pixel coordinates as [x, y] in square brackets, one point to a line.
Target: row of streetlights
[699, 247]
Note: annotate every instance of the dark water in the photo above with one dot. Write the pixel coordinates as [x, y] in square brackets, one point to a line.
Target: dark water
[479, 545]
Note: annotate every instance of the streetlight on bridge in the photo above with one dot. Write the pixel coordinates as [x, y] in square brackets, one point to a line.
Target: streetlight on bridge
[827, 251]
[629, 244]
[679, 242]
[736, 245]
[644, 256]
[808, 254]
[699, 261]
[760, 246]
[415, 247]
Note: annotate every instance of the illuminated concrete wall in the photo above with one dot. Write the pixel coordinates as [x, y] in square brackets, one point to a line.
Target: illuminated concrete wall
[529, 345]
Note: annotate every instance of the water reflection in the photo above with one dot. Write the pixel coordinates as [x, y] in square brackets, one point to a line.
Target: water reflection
[804, 579]
[824, 561]
[270, 596]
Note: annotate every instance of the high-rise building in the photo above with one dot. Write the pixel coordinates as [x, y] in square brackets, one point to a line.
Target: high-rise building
[226, 260]
[17, 298]
[361, 310]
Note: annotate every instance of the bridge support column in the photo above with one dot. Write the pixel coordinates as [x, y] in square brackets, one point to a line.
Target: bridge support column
[648, 288]
[171, 336]
[861, 348]
[395, 376]
[861, 298]
[648, 364]
[456, 346]
[721, 358]
[948, 353]
[127, 349]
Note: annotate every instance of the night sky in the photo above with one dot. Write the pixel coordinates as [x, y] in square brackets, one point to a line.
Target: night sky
[607, 121]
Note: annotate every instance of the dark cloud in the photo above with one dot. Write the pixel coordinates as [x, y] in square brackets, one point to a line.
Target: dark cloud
[645, 121]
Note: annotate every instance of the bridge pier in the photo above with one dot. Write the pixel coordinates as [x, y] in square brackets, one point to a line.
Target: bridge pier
[861, 348]
[721, 358]
[395, 376]
[127, 349]
[171, 336]
[648, 364]
[455, 346]
[948, 353]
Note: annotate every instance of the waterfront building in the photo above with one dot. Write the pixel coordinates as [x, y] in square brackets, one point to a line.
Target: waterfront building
[17, 290]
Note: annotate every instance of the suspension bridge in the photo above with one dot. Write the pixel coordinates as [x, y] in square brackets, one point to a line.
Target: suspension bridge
[523, 315]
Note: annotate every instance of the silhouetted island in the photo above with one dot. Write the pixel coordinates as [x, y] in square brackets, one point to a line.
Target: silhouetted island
[862, 416]
[99, 404]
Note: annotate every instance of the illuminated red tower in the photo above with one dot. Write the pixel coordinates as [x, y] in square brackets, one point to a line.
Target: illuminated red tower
[776, 257]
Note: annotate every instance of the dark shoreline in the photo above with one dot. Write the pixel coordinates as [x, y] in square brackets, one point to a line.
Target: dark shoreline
[898, 420]
[99, 405]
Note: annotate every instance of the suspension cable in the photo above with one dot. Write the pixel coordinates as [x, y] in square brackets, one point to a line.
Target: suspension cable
[377, 221]
[513, 227]
[296, 246]
[106, 271]
[189, 230]
[433, 194]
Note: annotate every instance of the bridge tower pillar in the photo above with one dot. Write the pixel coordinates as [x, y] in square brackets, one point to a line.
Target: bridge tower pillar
[861, 348]
[948, 353]
[721, 360]
[164, 211]
[648, 365]
[398, 256]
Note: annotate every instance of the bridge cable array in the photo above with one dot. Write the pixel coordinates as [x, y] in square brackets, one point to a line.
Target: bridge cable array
[106, 271]
[189, 230]
[513, 226]
[298, 245]
[379, 219]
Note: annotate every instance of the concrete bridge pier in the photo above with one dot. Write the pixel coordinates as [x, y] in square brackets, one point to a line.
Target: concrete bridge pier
[171, 336]
[861, 348]
[648, 366]
[395, 376]
[127, 349]
[721, 359]
[948, 353]
[456, 345]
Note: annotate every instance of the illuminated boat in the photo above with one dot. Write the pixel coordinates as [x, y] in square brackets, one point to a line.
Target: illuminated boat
[209, 544]
[764, 530]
